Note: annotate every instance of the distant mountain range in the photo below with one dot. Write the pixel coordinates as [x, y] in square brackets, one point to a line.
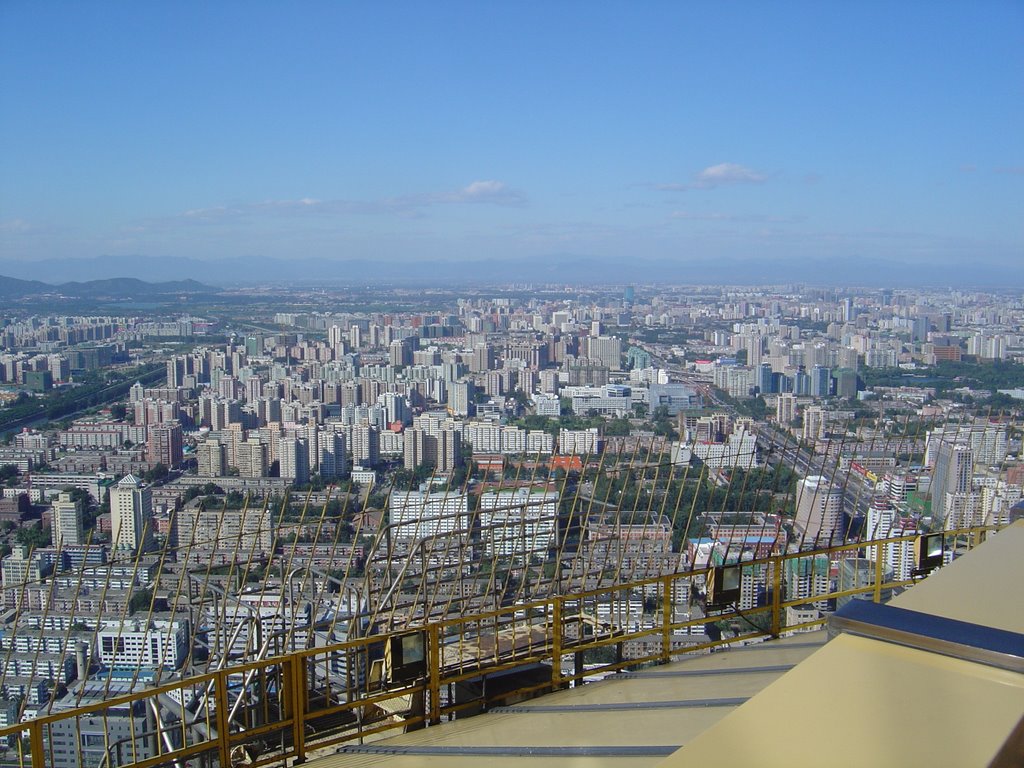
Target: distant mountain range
[551, 268]
[111, 288]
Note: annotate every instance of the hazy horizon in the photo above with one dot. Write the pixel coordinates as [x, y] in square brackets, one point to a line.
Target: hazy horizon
[567, 269]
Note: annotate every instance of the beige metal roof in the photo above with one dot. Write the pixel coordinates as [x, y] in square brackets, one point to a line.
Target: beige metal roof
[630, 719]
[861, 701]
[982, 587]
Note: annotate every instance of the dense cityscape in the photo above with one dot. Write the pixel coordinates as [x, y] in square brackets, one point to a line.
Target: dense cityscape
[408, 384]
[235, 473]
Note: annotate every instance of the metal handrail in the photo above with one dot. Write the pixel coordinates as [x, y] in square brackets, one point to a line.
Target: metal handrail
[543, 622]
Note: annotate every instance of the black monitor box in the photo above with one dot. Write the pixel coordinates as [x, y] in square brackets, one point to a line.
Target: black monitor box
[724, 586]
[405, 657]
[929, 549]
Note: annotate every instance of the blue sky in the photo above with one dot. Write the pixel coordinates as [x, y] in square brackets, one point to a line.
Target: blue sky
[449, 130]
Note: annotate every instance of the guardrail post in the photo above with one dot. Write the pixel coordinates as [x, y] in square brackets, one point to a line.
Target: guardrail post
[878, 571]
[35, 740]
[434, 651]
[666, 619]
[220, 693]
[777, 596]
[556, 641]
[295, 672]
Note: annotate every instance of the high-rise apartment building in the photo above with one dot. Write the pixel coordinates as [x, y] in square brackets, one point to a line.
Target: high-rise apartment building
[580, 442]
[461, 398]
[821, 381]
[952, 474]
[819, 510]
[807, 576]
[293, 458]
[814, 423]
[333, 455]
[988, 441]
[253, 460]
[606, 349]
[17, 571]
[211, 458]
[440, 448]
[365, 445]
[67, 521]
[131, 515]
[164, 445]
[785, 409]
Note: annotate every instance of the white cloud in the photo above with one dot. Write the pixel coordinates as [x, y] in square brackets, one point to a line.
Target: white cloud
[723, 174]
[728, 173]
[488, 191]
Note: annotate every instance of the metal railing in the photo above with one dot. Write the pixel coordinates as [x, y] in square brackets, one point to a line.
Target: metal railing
[286, 707]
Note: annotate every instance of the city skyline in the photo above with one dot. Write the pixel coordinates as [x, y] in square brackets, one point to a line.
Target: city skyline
[772, 139]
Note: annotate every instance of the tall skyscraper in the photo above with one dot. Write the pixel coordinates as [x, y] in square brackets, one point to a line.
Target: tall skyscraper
[252, 458]
[333, 456]
[819, 510]
[785, 409]
[607, 349]
[293, 455]
[365, 449]
[396, 408]
[67, 521]
[846, 383]
[953, 474]
[164, 444]
[211, 458]
[821, 381]
[462, 398]
[131, 513]
[336, 339]
[814, 423]
[754, 344]
[801, 384]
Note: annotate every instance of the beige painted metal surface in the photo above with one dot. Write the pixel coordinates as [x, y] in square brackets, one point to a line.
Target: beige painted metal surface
[641, 709]
[982, 587]
[863, 702]
[860, 701]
